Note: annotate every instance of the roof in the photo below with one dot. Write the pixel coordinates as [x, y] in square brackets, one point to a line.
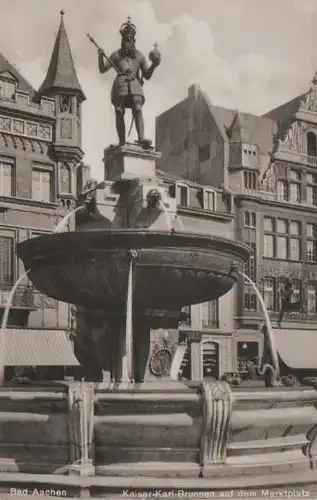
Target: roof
[61, 73]
[284, 114]
[22, 84]
[260, 129]
[168, 177]
[297, 348]
[37, 348]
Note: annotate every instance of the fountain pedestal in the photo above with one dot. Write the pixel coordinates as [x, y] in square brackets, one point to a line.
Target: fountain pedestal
[130, 161]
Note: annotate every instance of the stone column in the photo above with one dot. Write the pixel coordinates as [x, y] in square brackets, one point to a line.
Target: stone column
[196, 360]
[141, 347]
[81, 418]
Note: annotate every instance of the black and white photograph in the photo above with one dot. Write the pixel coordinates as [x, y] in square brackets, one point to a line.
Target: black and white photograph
[158, 249]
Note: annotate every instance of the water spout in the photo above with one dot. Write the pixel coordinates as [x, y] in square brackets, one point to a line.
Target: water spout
[180, 222]
[62, 223]
[6, 315]
[269, 331]
[7, 309]
[161, 206]
[128, 371]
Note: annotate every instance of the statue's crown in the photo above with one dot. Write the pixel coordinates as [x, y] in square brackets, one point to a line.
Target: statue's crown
[128, 29]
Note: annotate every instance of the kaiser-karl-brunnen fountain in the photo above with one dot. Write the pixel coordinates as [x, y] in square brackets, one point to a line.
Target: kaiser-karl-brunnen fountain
[125, 275]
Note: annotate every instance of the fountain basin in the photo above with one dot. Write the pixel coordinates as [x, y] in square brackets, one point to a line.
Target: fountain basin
[90, 268]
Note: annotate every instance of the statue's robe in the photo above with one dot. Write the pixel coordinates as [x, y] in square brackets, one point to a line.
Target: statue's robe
[129, 81]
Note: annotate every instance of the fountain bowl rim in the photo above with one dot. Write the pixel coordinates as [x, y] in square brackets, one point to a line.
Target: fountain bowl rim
[201, 240]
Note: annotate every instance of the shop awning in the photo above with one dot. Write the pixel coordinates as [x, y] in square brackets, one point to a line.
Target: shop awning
[22, 347]
[297, 348]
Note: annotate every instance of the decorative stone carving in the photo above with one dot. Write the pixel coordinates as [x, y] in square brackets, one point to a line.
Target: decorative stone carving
[66, 128]
[31, 129]
[5, 140]
[26, 128]
[49, 303]
[217, 410]
[18, 126]
[310, 101]
[269, 179]
[81, 417]
[65, 104]
[293, 139]
[15, 142]
[44, 131]
[5, 124]
[161, 359]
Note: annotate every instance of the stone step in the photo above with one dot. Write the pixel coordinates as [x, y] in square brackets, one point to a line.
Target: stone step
[296, 441]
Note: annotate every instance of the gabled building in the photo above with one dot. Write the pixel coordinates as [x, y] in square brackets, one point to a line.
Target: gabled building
[269, 164]
[40, 175]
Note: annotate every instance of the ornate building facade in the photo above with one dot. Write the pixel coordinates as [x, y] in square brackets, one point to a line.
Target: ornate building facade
[41, 171]
[268, 163]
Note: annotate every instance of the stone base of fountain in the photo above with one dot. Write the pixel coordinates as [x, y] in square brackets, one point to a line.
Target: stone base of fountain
[98, 439]
[105, 438]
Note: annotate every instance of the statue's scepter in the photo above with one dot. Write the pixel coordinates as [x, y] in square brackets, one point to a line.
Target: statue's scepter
[93, 41]
[100, 49]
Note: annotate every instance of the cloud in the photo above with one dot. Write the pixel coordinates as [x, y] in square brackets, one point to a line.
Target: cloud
[191, 54]
[305, 6]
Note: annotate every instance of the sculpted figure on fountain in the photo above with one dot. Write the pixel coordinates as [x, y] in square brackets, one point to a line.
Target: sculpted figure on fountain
[127, 90]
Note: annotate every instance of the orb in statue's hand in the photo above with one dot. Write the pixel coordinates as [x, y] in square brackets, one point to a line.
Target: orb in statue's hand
[155, 55]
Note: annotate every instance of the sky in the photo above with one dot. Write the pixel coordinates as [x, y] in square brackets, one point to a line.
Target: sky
[251, 55]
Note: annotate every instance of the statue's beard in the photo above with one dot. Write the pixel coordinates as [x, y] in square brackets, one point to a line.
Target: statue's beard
[128, 49]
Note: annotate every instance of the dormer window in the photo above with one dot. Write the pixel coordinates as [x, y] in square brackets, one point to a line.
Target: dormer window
[209, 199]
[182, 194]
[7, 88]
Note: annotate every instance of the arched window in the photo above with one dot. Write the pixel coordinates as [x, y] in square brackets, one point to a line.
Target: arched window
[64, 179]
[311, 144]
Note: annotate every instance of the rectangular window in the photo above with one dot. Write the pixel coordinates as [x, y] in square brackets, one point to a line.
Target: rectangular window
[294, 249]
[64, 179]
[281, 226]
[312, 195]
[280, 286]
[282, 191]
[268, 224]
[295, 192]
[311, 189]
[311, 243]
[311, 298]
[268, 238]
[268, 293]
[281, 247]
[250, 265]
[7, 89]
[7, 260]
[250, 219]
[42, 185]
[182, 195]
[6, 179]
[297, 291]
[268, 245]
[209, 313]
[209, 199]
[295, 241]
[250, 180]
[282, 239]
[250, 302]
